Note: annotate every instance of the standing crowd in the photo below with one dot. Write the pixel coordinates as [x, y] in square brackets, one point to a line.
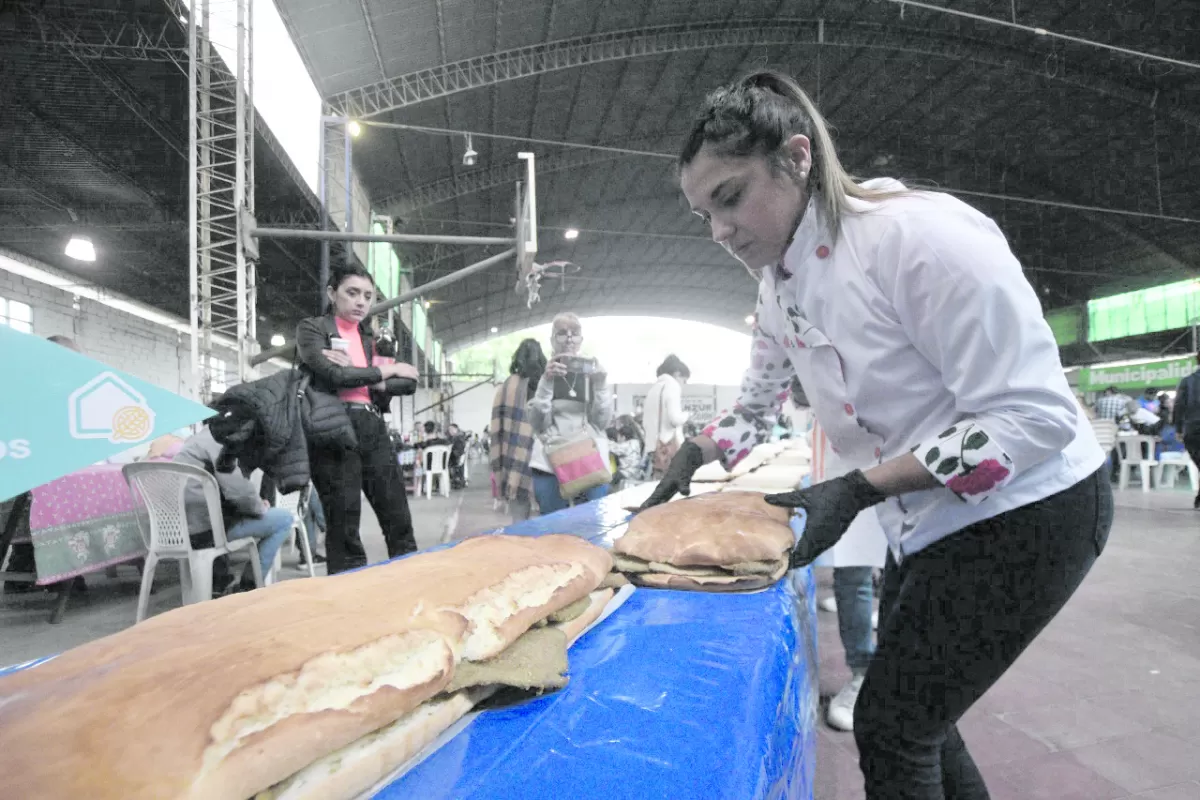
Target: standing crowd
[555, 436]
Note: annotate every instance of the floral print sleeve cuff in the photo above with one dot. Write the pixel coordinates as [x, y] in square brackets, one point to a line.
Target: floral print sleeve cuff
[967, 460]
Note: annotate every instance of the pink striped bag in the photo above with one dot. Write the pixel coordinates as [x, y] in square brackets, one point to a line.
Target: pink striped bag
[577, 464]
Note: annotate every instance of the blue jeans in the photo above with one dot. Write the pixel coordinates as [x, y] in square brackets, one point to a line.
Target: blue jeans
[545, 489]
[853, 590]
[271, 530]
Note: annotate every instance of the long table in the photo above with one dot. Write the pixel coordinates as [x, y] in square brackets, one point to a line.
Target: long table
[676, 695]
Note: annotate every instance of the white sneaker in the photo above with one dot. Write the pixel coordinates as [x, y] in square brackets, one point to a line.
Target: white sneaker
[841, 707]
[828, 604]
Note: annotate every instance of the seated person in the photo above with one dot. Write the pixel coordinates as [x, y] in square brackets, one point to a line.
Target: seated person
[431, 439]
[246, 514]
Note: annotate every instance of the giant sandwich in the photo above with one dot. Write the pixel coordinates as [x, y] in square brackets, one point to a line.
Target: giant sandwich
[306, 689]
[719, 542]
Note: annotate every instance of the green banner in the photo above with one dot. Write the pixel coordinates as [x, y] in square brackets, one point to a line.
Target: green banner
[1164, 374]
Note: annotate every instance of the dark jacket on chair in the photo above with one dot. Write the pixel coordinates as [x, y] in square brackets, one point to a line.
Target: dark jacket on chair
[258, 424]
[314, 334]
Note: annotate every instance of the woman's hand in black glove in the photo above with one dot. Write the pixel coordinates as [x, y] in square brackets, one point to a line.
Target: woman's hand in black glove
[830, 507]
[679, 475]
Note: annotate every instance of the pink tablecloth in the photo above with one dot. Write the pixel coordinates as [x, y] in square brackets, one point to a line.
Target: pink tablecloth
[84, 522]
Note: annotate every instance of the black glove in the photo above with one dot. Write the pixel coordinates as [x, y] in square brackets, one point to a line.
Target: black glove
[831, 506]
[679, 475]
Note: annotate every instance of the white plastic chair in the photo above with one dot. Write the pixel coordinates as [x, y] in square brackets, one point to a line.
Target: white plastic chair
[408, 458]
[162, 486]
[436, 460]
[1137, 452]
[1171, 465]
[297, 503]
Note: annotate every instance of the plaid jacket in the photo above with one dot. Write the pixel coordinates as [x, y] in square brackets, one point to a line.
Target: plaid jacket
[512, 440]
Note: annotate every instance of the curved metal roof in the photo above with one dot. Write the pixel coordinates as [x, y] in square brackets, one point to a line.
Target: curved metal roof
[982, 108]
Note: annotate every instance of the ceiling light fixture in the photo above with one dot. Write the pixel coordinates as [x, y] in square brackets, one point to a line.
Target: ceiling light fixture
[353, 128]
[571, 234]
[750, 319]
[428, 304]
[495, 329]
[277, 340]
[470, 156]
[81, 248]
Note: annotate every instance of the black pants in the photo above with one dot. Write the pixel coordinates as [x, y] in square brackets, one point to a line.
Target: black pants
[953, 619]
[1191, 443]
[342, 476]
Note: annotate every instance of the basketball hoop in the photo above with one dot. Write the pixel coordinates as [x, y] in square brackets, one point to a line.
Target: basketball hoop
[531, 280]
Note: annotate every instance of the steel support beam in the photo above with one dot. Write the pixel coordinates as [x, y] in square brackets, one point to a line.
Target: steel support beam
[220, 187]
[287, 350]
[524, 62]
[385, 238]
[96, 35]
[503, 174]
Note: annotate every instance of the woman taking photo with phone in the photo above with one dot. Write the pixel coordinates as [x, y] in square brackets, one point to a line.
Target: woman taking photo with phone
[923, 352]
[338, 351]
[569, 412]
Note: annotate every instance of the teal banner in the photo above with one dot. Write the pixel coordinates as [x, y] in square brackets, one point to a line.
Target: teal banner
[61, 411]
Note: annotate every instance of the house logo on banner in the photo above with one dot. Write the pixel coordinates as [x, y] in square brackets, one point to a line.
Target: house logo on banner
[106, 407]
[62, 411]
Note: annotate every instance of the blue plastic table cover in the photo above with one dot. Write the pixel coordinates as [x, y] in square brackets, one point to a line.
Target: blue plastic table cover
[676, 695]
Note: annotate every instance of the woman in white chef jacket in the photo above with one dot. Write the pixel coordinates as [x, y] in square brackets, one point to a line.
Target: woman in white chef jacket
[923, 352]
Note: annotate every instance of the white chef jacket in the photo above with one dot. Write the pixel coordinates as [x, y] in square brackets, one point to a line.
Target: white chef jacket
[916, 331]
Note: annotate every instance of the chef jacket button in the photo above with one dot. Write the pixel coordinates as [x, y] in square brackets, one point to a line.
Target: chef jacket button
[822, 252]
[849, 409]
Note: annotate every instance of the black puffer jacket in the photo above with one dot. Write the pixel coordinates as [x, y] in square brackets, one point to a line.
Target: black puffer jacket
[258, 424]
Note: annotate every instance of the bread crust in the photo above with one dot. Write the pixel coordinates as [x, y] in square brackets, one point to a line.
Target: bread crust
[729, 583]
[363, 764]
[132, 715]
[711, 530]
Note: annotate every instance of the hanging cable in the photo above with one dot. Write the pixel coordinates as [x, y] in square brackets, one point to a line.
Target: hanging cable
[1043, 32]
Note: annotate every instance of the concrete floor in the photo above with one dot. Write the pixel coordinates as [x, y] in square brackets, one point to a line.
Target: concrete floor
[1104, 706]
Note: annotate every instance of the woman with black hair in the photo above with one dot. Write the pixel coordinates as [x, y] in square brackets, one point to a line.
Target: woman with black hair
[511, 433]
[924, 353]
[337, 350]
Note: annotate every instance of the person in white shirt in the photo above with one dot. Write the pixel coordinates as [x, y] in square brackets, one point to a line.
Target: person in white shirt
[664, 415]
[924, 353]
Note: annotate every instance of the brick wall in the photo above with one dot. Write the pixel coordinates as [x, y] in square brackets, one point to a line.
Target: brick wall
[146, 350]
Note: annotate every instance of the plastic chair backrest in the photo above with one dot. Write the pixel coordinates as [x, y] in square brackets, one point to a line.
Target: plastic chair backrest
[1106, 433]
[163, 488]
[437, 458]
[1133, 449]
[293, 502]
